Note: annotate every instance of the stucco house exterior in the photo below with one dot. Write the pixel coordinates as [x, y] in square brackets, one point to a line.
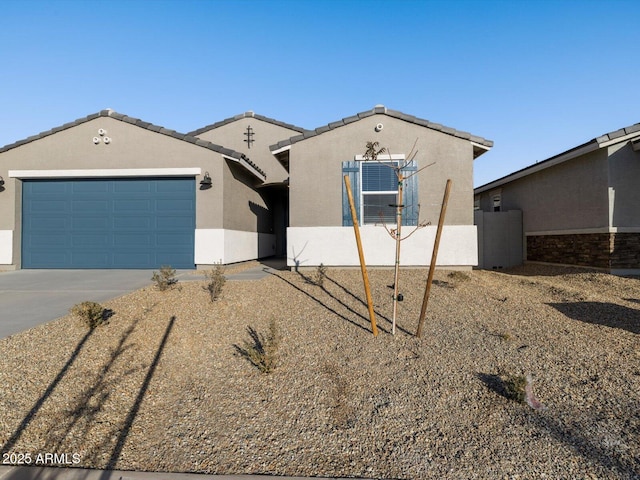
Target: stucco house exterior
[253, 134]
[580, 207]
[320, 229]
[113, 191]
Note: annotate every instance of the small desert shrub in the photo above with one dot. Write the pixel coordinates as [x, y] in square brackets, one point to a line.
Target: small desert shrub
[514, 387]
[215, 281]
[319, 275]
[165, 279]
[506, 336]
[92, 313]
[261, 351]
[459, 277]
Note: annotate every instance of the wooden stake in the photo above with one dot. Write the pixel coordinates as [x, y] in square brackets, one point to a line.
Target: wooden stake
[434, 256]
[363, 266]
[398, 239]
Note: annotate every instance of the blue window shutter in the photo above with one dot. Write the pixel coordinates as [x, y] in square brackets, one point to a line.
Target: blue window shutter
[353, 170]
[410, 194]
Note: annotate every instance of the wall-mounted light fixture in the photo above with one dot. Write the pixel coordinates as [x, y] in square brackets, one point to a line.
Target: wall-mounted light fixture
[205, 183]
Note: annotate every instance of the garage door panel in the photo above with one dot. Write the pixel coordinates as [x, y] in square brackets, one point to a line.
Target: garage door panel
[166, 239]
[49, 240]
[133, 205]
[90, 223]
[133, 240]
[165, 186]
[171, 259]
[48, 260]
[94, 207]
[174, 205]
[97, 258]
[108, 223]
[173, 222]
[94, 241]
[90, 187]
[51, 205]
[47, 188]
[132, 222]
[134, 260]
[48, 223]
[136, 186]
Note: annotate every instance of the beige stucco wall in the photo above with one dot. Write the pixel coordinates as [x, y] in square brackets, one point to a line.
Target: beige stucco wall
[130, 147]
[316, 170]
[570, 196]
[624, 177]
[245, 209]
[232, 135]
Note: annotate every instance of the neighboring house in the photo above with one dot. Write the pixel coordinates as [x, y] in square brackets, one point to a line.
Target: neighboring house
[581, 207]
[320, 228]
[112, 191]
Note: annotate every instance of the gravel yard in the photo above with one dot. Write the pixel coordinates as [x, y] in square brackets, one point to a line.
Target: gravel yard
[162, 385]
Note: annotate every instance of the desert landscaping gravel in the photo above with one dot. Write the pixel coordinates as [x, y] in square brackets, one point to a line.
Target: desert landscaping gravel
[163, 386]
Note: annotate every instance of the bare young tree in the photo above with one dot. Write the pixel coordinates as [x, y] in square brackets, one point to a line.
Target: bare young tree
[376, 153]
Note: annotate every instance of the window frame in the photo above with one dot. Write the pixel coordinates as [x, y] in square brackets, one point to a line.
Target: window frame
[352, 169]
[363, 193]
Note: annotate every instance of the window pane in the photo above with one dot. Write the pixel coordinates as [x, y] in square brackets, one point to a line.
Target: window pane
[378, 177]
[375, 204]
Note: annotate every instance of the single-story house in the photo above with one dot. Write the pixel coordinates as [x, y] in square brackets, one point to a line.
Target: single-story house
[112, 191]
[580, 207]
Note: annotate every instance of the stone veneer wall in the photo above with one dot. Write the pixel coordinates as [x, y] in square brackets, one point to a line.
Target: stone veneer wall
[626, 250]
[600, 250]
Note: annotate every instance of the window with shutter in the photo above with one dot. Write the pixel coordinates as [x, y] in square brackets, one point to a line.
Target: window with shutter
[375, 190]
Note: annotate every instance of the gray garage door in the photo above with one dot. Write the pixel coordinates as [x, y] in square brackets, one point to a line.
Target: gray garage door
[108, 223]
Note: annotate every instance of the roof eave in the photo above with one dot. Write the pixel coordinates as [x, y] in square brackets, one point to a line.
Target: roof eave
[479, 149]
[243, 162]
[382, 110]
[550, 162]
[250, 166]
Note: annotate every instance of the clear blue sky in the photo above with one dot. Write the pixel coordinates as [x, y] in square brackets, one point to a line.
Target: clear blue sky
[536, 77]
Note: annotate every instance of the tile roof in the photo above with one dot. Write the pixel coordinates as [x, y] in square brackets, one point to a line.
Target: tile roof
[382, 110]
[591, 145]
[142, 124]
[247, 115]
[618, 133]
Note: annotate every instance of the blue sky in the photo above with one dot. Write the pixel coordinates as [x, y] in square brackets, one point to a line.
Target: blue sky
[536, 77]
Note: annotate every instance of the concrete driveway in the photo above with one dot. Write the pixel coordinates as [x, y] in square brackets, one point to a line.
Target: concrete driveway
[32, 297]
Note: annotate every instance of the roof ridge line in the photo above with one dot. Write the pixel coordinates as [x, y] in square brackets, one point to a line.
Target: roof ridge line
[247, 114]
[142, 124]
[382, 110]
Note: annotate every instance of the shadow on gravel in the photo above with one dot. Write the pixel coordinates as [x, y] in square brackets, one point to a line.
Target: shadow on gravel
[595, 451]
[7, 447]
[602, 313]
[90, 401]
[133, 412]
[569, 434]
[546, 270]
[632, 300]
[494, 383]
[319, 302]
[276, 263]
